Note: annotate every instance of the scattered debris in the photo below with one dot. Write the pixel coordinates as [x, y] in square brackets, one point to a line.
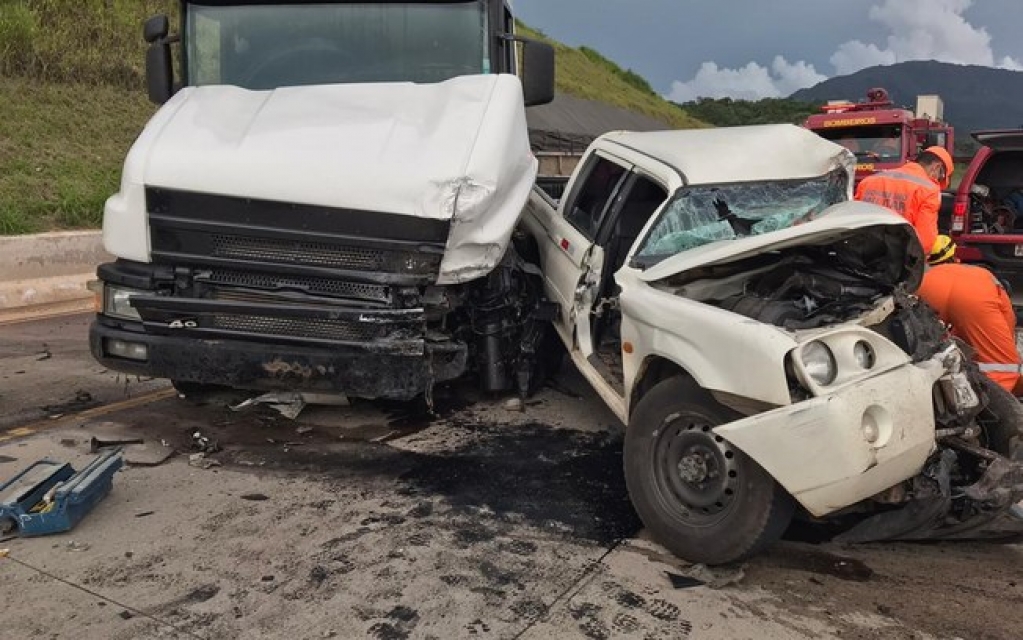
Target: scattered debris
[68, 442]
[267, 579]
[50, 497]
[143, 514]
[204, 444]
[201, 461]
[255, 497]
[683, 582]
[77, 546]
[95, 444]
[303, 430]
[514, 404]
[45, 354]
[83, 400]
[701, 575]
[290, 403]
[126, 615]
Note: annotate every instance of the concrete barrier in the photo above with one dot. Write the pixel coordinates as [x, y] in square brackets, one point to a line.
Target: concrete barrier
[46, 273]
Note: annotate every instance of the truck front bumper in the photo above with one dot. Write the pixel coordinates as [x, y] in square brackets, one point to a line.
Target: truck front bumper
[365, 371]
[835, 450]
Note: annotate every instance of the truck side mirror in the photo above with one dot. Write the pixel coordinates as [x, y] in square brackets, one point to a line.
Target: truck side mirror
[156, 28]
[537, 72]
[159, 74]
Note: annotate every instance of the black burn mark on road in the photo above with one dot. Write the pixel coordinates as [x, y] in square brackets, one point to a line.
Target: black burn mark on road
[558, 480]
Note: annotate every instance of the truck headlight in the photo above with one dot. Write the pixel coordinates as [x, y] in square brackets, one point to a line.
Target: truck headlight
[819, 363]
[117, 302]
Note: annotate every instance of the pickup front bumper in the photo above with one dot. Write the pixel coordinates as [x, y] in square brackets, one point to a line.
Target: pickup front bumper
[835, 450]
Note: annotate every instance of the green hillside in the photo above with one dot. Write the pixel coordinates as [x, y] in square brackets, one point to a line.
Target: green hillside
[71, 77]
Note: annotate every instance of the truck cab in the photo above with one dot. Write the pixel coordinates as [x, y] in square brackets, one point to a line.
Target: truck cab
[325, 199]
[881, 135]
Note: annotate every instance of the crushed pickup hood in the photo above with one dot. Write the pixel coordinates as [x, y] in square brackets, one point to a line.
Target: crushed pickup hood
[456, 150]
[839, 222]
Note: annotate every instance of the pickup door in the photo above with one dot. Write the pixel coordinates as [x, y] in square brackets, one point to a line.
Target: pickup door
[571, 259]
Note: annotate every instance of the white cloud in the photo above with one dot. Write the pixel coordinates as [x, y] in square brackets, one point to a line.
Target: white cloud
[921, 30]
[917, 30]
[750, 82]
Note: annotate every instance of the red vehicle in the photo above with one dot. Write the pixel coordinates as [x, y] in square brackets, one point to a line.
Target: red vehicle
[881, 135]
[987, 215]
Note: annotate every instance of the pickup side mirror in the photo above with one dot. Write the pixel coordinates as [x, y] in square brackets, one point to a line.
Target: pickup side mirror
[159, 74]
[537, 72]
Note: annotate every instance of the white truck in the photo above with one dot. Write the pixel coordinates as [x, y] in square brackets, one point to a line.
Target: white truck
[324, 200]
[758, 335]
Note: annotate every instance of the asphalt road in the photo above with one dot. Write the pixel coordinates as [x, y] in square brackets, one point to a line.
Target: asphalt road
[380, 520]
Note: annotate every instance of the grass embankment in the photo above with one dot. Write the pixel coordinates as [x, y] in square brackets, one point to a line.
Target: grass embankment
[73, 100]
[61, 149]
[583, 74]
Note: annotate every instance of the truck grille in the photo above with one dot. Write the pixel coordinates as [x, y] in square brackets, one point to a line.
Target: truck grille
[267, 284]
[341, 331]
[192, 229]
[316, 253]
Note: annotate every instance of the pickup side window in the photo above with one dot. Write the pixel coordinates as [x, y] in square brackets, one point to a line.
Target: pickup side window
[587, 205]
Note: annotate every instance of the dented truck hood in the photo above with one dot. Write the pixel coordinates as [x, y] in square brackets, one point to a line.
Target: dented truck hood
[456, 150]
[843, 221]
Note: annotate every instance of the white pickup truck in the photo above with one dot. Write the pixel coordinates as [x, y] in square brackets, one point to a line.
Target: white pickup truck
[757, 333]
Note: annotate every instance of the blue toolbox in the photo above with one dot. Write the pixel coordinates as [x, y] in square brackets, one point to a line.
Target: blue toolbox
[49, 497]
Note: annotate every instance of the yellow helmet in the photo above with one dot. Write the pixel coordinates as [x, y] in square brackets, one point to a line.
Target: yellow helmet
[944, 250]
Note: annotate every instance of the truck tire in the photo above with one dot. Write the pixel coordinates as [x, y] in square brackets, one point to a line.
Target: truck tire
[700, 497]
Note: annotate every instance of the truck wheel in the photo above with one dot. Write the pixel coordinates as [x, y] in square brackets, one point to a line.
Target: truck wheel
[699, 496]
[1002, 421]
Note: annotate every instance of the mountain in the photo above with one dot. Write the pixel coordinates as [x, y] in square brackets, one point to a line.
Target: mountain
[975, 97]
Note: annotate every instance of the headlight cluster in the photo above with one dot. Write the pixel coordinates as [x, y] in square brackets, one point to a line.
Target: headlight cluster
[117, 302]
[821, 365]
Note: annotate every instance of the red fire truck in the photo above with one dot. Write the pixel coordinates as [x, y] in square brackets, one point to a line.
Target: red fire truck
[881, 135]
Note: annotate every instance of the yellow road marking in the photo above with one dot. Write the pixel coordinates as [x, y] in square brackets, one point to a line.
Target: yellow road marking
[137, 401]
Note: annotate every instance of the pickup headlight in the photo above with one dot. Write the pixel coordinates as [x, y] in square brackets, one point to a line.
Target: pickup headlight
[819, 363]
[116, 302]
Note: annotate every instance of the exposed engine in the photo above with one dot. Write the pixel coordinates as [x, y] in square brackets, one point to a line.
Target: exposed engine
[504, 320]
[806, 287]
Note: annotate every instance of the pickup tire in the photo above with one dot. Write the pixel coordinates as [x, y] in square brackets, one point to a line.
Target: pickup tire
[699, 496]
[1002, 421]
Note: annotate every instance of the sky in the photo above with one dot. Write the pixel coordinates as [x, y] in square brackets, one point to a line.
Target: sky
[770, 48]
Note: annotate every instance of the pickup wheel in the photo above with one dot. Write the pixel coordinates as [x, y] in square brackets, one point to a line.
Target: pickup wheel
[1002, 421]
[699, 496]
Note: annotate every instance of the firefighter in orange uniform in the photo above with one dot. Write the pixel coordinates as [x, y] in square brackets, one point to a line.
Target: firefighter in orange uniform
[976, 305]
[913, 191]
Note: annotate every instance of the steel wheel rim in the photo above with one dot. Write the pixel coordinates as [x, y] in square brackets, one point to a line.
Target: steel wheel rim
[695, 472]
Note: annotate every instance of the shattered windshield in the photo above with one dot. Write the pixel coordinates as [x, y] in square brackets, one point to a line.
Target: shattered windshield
[700, 215]
[265, 45]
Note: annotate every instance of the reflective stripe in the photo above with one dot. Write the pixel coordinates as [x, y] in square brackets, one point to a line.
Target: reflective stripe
[991, 367]
[899, 175]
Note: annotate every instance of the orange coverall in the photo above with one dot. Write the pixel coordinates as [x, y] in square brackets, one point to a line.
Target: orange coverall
[972, 300]
[909, 192]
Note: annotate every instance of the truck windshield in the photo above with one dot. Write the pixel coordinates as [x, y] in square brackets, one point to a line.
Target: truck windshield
[868, 144]
[700, 215]
[264, 46]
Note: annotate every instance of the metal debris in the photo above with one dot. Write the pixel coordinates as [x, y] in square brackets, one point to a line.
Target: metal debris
[201, 461]
[291, 403]
[204, 444]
